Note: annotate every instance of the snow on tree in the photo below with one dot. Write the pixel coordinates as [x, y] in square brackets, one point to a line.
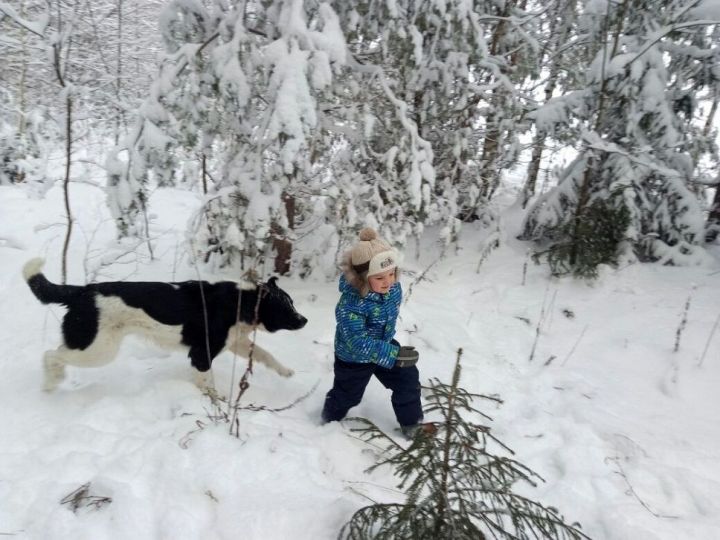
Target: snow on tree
[628, 190]
[108, 53]
[695, 69]
[418, 114]
[238, 86]
[558, 62]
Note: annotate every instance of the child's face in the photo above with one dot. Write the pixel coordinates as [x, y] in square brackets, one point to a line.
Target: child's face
[381, 283]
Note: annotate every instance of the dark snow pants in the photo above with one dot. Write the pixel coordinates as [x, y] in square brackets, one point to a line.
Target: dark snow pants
[351, 378]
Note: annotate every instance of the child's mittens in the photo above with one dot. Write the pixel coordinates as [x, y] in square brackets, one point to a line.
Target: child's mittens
[407, 356]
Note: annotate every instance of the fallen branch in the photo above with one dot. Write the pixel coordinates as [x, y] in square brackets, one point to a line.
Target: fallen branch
[575, 346]
[81, 497]
[631, 490]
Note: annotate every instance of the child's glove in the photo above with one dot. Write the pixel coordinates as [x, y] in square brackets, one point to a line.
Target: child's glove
[407, 356]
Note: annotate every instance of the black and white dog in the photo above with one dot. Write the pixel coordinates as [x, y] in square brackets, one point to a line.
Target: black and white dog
[200, 317]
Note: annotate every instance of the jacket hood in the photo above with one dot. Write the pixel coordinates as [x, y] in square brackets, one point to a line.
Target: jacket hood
[356, 281]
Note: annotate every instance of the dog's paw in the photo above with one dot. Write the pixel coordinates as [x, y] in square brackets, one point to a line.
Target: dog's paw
[52, 380]
[50, 384]
[214, 395]
[286, 372]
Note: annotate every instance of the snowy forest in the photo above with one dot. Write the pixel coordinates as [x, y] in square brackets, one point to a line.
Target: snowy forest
[307, 120]
[527, 158]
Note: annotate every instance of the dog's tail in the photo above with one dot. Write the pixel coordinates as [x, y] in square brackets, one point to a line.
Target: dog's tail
[46, 291]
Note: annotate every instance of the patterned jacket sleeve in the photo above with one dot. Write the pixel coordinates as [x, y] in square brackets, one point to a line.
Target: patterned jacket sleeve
[351, 326]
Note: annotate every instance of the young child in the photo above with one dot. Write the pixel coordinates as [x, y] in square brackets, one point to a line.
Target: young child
[365, 326]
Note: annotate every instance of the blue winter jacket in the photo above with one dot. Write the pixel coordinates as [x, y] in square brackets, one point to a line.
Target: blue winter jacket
[366, 326]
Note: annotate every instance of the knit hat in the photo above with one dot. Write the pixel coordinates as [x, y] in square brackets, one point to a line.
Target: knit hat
[372, 254]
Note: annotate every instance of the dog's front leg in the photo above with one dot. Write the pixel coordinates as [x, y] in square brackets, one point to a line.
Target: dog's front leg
[204, 380]
[202, 373]
[243, 346]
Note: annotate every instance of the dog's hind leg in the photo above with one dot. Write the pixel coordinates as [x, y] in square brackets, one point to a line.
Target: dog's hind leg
[54, 369]
[102, 351]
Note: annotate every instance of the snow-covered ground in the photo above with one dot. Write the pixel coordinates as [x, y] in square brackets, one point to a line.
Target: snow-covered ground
[624, 430]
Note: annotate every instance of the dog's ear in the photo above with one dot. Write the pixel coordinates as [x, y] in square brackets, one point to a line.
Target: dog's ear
[272, 282]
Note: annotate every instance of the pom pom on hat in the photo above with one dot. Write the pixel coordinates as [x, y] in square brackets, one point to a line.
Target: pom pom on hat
[367, 234]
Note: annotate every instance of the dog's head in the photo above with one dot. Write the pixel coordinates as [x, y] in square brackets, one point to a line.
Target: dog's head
[276, 310]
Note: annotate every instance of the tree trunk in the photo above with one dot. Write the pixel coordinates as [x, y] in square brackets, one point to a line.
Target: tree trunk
[712, 225]
[23, 73]
[489, 173]
[584, 192]
[204, 173]
[281, 243]
[567, 15]
[66, 182]
[120, 118]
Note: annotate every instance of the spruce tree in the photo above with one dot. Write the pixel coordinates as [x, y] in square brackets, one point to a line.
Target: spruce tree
[636, 157]
[456, 487]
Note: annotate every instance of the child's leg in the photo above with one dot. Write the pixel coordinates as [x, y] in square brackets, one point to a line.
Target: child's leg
[405, 386]
[348, 388]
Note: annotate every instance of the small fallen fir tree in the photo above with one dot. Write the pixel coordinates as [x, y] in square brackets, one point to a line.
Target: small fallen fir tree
[455, 487]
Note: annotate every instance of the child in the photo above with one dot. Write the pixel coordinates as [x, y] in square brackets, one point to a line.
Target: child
[364, 346]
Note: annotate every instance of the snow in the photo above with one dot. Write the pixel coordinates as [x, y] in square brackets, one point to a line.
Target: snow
[294, 112]
[36, 27]
[331, 39]
[706, 9]
[623, 429]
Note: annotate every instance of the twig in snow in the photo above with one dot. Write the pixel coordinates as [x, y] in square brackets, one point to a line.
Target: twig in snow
[683, 321]
[707, 345]
[231, 415]
[551, 311]
[81, 497]
[185, 441]
[631, 490]
[175, 261]
[244, 384]
[492, 243]
[256, 408]
[575, 346]
[540, 322]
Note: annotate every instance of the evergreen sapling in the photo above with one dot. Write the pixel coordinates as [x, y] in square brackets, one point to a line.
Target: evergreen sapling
[455, 486]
